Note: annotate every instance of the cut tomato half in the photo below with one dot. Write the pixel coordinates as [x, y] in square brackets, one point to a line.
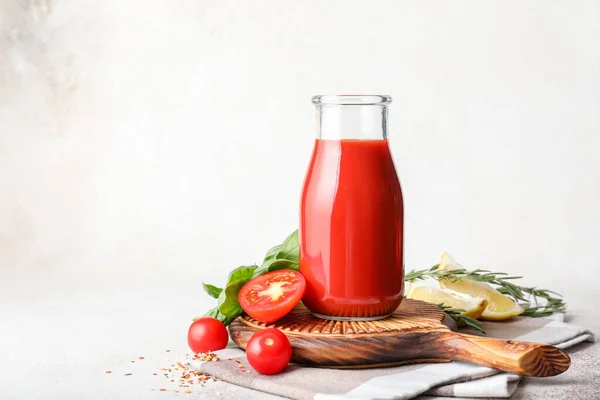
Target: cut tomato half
[269, 297]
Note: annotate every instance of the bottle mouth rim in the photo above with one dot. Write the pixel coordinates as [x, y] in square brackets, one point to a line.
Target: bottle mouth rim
[352, 100]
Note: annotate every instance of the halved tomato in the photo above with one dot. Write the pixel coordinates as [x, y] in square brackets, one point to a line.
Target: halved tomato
[269, 297]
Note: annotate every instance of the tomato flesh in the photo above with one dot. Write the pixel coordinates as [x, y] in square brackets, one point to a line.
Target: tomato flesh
[269, 351]
[270, 296]
[207, 334]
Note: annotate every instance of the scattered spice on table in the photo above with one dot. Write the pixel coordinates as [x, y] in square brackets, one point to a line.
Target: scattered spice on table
[184, 374]
[206, 357]
[108, 372]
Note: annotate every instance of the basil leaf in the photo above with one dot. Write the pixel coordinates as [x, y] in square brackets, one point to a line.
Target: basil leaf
[228, 299]
[212, 291]
[272, 254]
[284, 264]
[290, 248]
[276, 265]
[241, 273]
[215, 313]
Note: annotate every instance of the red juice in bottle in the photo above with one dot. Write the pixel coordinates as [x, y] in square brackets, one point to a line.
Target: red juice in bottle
[351, 214]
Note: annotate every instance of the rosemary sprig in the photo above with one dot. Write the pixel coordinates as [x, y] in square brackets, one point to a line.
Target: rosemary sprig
[503, 284]
[455, 313]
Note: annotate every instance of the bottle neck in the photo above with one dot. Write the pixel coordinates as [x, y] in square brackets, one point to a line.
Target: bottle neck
[352, 117]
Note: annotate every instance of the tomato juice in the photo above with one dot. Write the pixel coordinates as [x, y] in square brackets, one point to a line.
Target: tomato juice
[351, 230]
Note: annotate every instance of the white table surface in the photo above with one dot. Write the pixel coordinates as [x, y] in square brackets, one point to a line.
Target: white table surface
[59, 333]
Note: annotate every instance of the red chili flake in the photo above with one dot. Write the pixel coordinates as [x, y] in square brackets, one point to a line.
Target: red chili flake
[162, 389]
[108, 372]
[238, 361]
[167, 351]
[172, 380]
[141, 357]
[128, 374]
[132, 361]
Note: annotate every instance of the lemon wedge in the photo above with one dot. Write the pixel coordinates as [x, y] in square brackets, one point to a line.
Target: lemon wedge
[499, 306]
[473, 306]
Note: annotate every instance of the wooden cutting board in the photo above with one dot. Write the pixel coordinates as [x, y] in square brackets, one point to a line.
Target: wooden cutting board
[415, 332]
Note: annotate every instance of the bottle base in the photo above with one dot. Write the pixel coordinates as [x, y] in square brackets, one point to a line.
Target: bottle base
[352, 319]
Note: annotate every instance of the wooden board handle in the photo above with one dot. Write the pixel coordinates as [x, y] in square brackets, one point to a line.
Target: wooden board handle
[523, 358]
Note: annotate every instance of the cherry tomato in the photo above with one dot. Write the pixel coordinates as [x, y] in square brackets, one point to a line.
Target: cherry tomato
[269, 351]
[207, 334]
[269, 297]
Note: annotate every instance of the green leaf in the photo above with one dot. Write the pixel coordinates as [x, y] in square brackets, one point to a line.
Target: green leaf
[276, 265]
[228, 300]
[272, 254]
[290, 248]
[243, 273]
[283, 264]
[212, 291]
[456, 314]
[215, 313]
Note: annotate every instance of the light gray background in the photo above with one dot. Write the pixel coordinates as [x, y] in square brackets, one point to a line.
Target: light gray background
[148, 145]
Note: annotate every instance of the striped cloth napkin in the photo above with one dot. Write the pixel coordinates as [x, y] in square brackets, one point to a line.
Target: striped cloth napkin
[455, 379]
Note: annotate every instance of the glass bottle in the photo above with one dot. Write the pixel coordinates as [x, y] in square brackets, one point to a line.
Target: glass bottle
[351, 213]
